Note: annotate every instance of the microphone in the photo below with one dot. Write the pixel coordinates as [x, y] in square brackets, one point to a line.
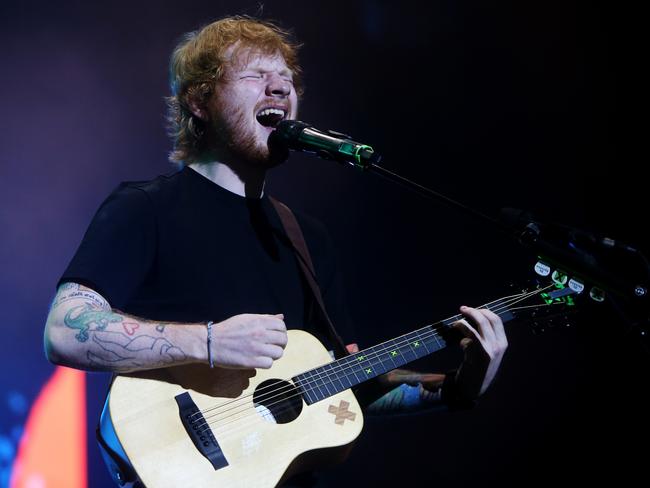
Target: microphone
[300, 136]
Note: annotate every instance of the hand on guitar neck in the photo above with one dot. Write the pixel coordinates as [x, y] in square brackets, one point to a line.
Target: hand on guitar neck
[484, 344]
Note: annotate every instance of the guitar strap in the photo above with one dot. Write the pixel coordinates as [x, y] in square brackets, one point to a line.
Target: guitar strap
[292, 228]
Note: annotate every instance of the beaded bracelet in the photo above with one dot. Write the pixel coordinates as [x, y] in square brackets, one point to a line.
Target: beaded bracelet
[209, 325]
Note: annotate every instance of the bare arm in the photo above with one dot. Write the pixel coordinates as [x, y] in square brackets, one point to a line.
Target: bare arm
[84, 332]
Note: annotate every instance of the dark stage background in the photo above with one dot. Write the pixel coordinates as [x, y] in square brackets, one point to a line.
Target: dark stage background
[492, 103]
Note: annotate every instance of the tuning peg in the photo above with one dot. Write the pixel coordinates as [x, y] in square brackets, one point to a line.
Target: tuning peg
[597, 294]
[542, 269]
[559, 277]
[576, 285]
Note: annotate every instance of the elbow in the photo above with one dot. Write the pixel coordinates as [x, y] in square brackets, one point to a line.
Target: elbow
[52, 352]
[53, 347]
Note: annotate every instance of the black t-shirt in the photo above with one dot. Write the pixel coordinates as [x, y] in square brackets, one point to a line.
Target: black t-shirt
[181, 248]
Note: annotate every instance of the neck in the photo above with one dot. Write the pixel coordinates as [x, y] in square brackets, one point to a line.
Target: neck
[245, 183]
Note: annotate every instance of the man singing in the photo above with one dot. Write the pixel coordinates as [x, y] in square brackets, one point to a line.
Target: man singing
[196, 267]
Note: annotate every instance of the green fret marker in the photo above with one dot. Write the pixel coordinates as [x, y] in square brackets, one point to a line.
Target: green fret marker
[416, 343]
[361, 358]
[393, 353]
[368, 371]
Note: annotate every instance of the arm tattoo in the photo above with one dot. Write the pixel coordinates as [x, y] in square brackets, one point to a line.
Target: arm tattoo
[86, 316]
[75, 291]
[112, 338]
[409, 394]
[405, 398]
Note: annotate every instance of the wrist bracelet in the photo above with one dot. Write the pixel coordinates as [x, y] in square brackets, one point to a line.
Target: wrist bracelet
[209, 326]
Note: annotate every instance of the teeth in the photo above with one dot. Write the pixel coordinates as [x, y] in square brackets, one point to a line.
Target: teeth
[269, 111]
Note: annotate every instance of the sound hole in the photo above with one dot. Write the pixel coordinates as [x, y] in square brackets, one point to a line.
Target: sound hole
[277, 401]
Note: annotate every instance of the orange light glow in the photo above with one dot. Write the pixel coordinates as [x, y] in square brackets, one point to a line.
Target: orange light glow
[52, 451]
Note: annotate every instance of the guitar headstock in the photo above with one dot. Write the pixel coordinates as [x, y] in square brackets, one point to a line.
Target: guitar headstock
[553, 298]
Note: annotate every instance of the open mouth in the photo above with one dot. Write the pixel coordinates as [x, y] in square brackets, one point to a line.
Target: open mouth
[270, 117]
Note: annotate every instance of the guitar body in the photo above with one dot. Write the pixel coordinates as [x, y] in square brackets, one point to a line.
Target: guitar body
[256, 451]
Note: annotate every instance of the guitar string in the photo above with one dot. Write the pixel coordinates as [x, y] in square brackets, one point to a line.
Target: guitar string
[247, 412]
[353, 365]
[456, 317]
[375, 353]
[320, 381]
[254, 413]
[232, 430]
[289, 387]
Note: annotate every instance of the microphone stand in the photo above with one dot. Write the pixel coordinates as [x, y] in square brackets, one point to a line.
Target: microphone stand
[553, 243]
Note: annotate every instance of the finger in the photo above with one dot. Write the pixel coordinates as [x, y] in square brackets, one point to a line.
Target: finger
[471, 335]
[352, 348]
[467, 329]
[262, 362]
[277, 338]
[481, 323]
[275, 322]
[465, 342]
[271, 351]
[497, 326]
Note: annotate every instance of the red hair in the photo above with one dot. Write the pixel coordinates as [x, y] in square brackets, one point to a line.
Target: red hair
[197, 64]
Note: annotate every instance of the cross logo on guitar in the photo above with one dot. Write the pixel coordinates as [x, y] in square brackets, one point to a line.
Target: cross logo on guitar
[341, 412]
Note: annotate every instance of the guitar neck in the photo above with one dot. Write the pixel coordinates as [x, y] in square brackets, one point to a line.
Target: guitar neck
[350, 371]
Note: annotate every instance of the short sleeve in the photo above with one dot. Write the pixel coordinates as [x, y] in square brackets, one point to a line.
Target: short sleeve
[118, 248]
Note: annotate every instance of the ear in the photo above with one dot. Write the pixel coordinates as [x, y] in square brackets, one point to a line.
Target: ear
[197, 109]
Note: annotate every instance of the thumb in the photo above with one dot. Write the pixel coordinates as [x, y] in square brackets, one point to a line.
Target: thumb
[352, 348]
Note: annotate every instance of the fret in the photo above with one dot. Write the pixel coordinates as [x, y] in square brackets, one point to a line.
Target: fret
[333, 375]
[387, 363]
[349, 369]
[393, 353]
[440, 342]
[364, 365]
[412, 347]
[312, 385]
[432, 340]
[317, 382]
[347, 372]
[423, 338]
[302, 381]
[324, 380]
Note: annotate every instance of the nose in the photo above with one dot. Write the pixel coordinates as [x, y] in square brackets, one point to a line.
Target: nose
[277, 86]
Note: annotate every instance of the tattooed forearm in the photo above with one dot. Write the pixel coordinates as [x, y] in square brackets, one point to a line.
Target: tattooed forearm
[84, 317]
[412, 391]
[75, 291]
[405, 398]
[128, 354]
[117, 342]
[83, 331]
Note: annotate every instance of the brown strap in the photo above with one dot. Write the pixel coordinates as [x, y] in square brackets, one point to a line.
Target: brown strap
[292, 228]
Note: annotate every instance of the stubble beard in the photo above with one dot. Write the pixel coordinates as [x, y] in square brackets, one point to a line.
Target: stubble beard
[237, 143]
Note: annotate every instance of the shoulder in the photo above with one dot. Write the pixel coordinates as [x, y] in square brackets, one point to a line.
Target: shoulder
[142, 195]
[160, 186]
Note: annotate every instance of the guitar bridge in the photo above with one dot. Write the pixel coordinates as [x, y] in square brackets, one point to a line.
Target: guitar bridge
[199, 431]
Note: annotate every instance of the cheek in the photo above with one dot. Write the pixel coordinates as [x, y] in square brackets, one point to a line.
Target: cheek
[294, 105]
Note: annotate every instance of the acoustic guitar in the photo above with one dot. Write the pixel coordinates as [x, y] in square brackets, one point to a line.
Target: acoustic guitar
[192, 426]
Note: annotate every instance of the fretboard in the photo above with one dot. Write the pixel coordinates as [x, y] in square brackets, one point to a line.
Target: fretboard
[332, 378]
